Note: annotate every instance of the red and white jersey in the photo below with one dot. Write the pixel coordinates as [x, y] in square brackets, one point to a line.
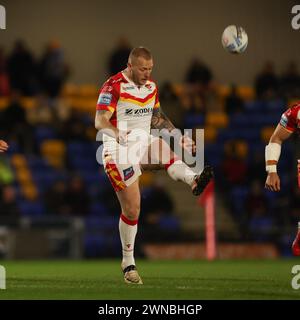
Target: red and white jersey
[290, 119]
[129, 103]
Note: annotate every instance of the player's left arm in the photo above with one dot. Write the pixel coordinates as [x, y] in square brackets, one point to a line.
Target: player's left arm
[162, 122]
[159, 119]
[272, 155]
[273, 149]
[280, 134]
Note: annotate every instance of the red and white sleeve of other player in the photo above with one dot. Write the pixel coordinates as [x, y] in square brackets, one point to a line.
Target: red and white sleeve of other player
[128, 102]
[290, 119]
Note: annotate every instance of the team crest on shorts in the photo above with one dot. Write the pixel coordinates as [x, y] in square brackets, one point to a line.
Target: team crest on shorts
[128, 173]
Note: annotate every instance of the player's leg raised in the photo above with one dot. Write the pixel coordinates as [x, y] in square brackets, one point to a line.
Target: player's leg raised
[176, 168]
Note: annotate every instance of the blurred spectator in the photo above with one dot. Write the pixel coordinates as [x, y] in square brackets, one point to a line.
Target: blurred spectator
[119, 56]
[198, 81]
[22, 70]
[266, 83]
[290, 81]
[74, 128]
[9, 212]
[77, 197]
[192, 102]
[53, 69]
[257, 169]
[233, 103]
[15, 125]
[198, 74]
[233, 167]
[4, 81]
[170, 99]
[256, 201]
[55, 199]
[260, 224]
[167, 92]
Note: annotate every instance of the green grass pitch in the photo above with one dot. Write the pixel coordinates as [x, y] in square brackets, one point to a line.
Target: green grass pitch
[197, 280]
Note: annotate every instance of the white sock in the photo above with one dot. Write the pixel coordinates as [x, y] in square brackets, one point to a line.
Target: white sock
[128, 230]
[178, 170]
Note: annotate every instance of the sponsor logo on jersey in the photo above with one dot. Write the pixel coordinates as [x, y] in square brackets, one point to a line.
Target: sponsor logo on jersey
[138, 112]
[284, 120]
[128, 173]
[105, 98]
[128, 88]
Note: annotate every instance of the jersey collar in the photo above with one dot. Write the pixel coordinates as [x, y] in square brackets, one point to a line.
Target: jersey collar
[130, 81]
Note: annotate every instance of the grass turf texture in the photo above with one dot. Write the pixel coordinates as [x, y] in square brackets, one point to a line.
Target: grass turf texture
[102, 279]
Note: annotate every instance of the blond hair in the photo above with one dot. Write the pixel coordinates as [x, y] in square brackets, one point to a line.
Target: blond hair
[139, 52]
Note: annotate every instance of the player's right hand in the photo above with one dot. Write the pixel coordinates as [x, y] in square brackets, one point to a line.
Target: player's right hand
[3, 146]
[122, 136]
[273, 182]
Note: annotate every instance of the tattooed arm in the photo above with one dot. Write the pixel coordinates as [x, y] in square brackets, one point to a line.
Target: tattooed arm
[161, 121]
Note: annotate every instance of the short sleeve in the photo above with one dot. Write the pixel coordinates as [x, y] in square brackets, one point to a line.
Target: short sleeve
[108, 98]
[157, 103]
[288, 120]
